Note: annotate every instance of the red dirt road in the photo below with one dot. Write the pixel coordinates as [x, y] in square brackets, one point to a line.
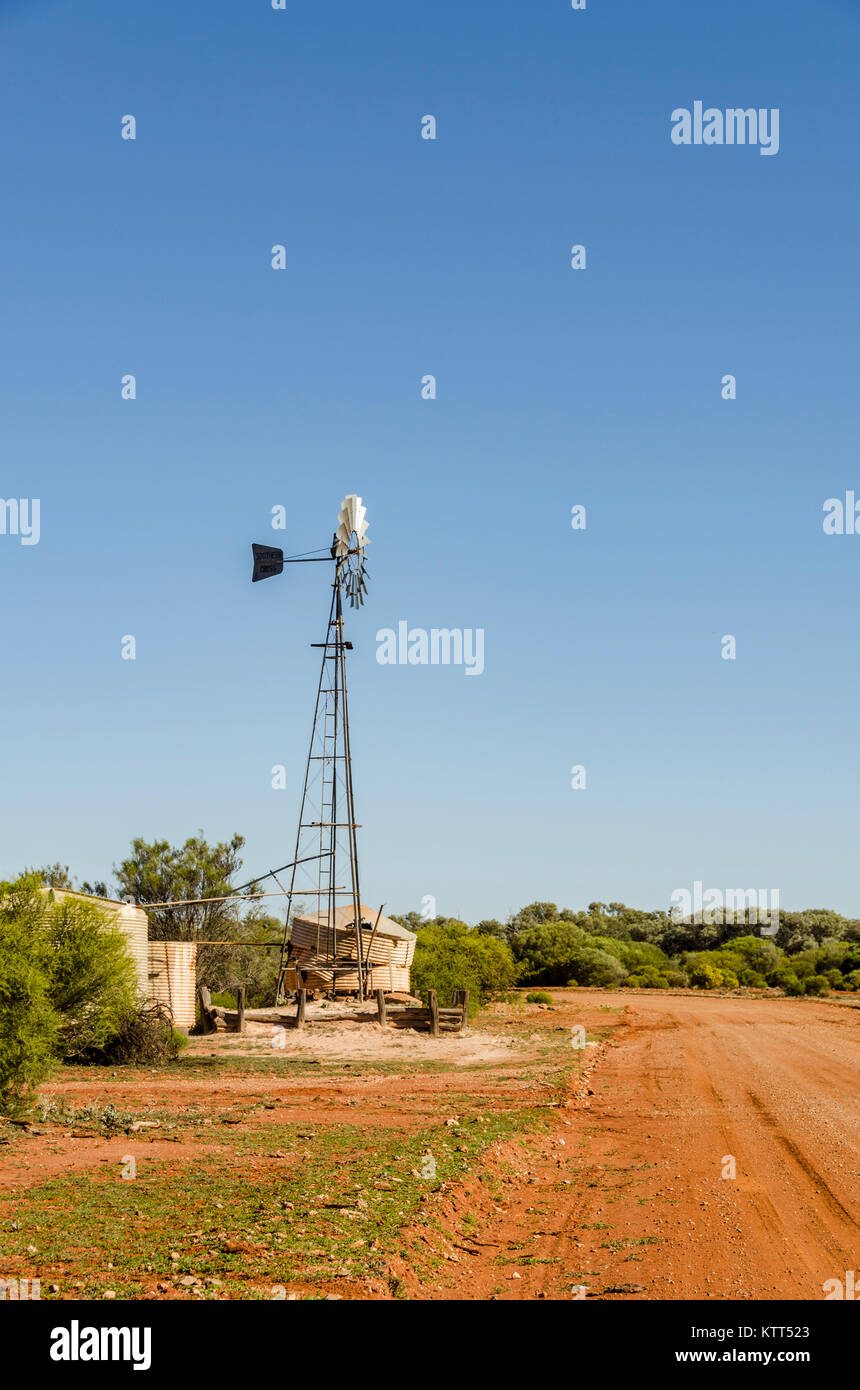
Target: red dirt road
[634, 1203]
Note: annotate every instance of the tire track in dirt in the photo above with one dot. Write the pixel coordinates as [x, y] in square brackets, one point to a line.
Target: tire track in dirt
[635, 1204]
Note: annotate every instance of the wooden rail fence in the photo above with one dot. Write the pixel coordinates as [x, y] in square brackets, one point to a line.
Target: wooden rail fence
[432, 1019]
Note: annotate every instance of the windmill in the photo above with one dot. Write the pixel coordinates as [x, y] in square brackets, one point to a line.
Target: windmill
[326, 847]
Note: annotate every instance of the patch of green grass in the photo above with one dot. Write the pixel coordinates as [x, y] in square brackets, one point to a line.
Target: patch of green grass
[330, 1210]
[628, 1243]
[524, 1261]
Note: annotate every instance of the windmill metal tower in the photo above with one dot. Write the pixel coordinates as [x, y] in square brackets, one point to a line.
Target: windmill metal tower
[325, 863]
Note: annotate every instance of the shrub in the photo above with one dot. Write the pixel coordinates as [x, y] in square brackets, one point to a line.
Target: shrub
[703, 975]
[596, 967]
[450, 956]
[649, 977]
[752, 979]
[547, 953]
[789, 982]
[28, 1023]
[93, 981]
[639, 957]
[145, 1036]
[817, 984]
[66, 981]
[804, 966]
[538, 996]
[757, 953]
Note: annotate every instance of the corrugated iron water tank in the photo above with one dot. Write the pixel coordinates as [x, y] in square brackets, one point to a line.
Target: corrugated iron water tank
[173, 978]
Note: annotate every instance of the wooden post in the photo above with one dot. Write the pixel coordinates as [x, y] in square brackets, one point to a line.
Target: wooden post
[204, 999]
[380, 1007]
[464, 1000]
[434, 1014]
[240, 1009]
[300, 1008]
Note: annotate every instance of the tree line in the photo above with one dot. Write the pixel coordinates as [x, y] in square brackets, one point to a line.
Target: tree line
[611, 945]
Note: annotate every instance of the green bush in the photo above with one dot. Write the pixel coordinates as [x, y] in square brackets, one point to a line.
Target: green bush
[66, 982]
[547, 953]
[28, 1022]
[538, 996]
[598, 968]
[804, 965]
[648, 977]
[751, 979]
[639, 957]
[703, 975]
[789, 982]
[449, 955]
[757, 953]
[817, 984]
[93, 979]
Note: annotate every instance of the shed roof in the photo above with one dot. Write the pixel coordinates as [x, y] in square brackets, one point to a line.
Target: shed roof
[344, 917]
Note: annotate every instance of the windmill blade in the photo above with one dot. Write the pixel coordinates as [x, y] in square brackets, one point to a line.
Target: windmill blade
[352, 518]
[268, 560]
[359, 514]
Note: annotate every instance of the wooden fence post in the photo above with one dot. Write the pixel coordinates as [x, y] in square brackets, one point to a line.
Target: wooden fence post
[380, 1007]
[300, 1007]
[464, 1000]
[204, 999]
[434, 1013]
[240, 1009]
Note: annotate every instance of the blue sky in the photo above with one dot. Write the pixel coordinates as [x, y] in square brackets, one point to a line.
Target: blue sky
[555, 387]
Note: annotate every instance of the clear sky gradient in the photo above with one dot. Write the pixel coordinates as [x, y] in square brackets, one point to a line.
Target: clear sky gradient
[602, 387]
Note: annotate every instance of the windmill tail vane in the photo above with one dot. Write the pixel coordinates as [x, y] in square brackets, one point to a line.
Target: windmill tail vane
[326, 836]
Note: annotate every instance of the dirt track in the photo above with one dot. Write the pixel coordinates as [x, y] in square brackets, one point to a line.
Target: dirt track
[684, 1083]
